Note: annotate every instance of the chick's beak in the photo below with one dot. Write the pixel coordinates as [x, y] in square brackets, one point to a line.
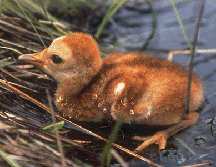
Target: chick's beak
[36, 59]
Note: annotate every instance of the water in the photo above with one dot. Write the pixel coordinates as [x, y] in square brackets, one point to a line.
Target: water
[131, 28]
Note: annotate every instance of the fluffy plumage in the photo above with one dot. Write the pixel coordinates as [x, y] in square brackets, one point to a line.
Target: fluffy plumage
[143, 88]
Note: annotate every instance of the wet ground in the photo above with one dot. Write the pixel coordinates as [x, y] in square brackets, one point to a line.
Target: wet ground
[127, 31]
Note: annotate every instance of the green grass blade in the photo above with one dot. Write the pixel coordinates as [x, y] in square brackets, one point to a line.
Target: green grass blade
[154, 26]
[110, 12]
[30, 22]
[109, 157]
[59, 125]
[181, 24]
[29, 9]
[40, 10]
[7, 158]
[6, 63]
[106, 150]
[184, 144]
[0, 8]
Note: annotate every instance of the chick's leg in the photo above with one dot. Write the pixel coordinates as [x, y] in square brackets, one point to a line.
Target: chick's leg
[161, 137]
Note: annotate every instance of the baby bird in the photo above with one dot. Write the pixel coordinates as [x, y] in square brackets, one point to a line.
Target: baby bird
[141, 88]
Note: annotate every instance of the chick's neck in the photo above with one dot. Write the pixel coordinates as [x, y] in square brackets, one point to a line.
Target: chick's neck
[71, 87]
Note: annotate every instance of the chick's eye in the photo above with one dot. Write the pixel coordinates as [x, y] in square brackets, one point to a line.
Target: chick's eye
[56, 59]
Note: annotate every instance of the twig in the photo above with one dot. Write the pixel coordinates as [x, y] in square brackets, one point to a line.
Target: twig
[172, 52]
[190, 65]
[202, 164]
